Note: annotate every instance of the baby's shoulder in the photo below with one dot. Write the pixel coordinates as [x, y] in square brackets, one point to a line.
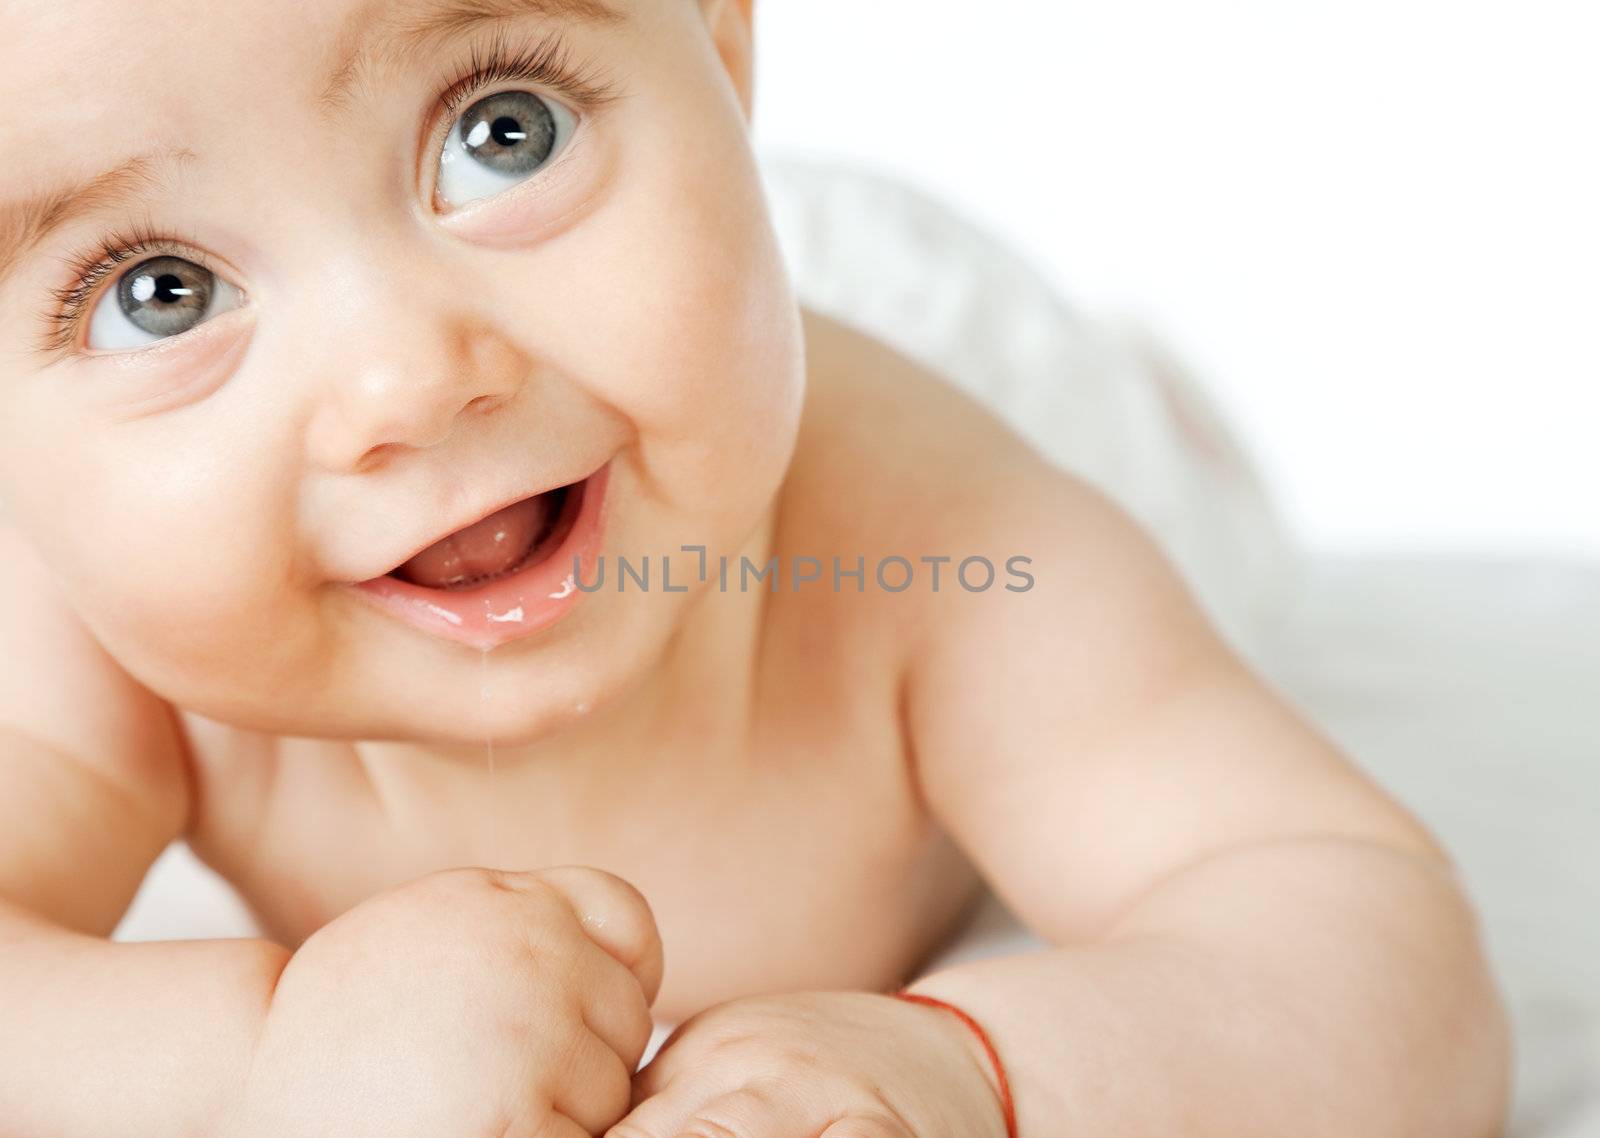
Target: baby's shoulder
[1005, 557]
[895, 460]
[909, 506]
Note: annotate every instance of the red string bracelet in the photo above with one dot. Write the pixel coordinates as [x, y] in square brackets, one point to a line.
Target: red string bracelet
[1007, 1108]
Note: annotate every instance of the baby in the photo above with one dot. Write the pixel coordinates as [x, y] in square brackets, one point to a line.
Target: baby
[424, 495]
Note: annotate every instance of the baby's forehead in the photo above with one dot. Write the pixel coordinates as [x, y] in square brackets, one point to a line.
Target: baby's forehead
[147, 76]
[139, 52]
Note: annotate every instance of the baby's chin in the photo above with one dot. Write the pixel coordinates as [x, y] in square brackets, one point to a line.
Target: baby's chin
[454, 719]
[401, 686]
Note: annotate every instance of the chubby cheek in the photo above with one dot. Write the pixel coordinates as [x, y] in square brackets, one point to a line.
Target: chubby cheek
[179, 567]
[685, 323]
[723, 376]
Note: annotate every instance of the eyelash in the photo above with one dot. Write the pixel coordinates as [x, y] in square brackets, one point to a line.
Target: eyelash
[90, 269]
[546, 63]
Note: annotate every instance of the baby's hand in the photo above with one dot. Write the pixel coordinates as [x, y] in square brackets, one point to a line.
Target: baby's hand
[816, 1065]
[467, 1004]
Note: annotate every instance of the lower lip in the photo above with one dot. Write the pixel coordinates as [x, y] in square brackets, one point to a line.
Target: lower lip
[510, 607]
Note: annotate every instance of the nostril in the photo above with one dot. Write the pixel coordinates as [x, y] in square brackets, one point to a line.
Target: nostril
[373, 457]
[484, 403]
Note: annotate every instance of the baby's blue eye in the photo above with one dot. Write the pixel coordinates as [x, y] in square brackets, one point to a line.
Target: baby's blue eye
[157, 299]
[500, 141]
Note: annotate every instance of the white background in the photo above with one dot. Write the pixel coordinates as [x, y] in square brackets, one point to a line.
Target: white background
[1370, 225]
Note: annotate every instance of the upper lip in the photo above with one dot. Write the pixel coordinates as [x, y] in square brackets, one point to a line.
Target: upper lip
[471, 519]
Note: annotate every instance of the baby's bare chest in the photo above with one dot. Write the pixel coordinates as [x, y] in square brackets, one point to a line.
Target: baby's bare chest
[805, 866]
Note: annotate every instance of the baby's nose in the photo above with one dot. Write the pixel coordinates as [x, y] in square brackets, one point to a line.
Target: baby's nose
[411, 390]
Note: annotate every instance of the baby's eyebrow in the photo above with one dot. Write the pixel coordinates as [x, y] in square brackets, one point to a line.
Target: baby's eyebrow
[389, 33]
[27, 221]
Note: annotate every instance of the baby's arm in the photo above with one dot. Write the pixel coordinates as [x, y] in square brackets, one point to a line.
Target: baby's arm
[98, 1037]
[1254, 939]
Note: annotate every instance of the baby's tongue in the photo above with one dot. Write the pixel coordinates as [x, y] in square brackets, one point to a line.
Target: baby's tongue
[481, 550]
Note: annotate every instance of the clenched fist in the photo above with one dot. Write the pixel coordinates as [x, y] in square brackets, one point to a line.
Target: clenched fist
[470, 1003]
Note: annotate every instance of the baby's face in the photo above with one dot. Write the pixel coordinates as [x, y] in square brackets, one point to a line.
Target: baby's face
[328, 295]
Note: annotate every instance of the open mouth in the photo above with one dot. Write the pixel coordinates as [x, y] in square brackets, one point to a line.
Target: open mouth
[513, 538]
[505, 576]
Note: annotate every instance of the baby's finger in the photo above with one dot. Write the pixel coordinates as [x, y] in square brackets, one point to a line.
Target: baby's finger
[616, 916]
[867, 1126]
[615, 1009]
[765, 1109]
[662, 1112]
[592, 1085]
[558, 1125]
